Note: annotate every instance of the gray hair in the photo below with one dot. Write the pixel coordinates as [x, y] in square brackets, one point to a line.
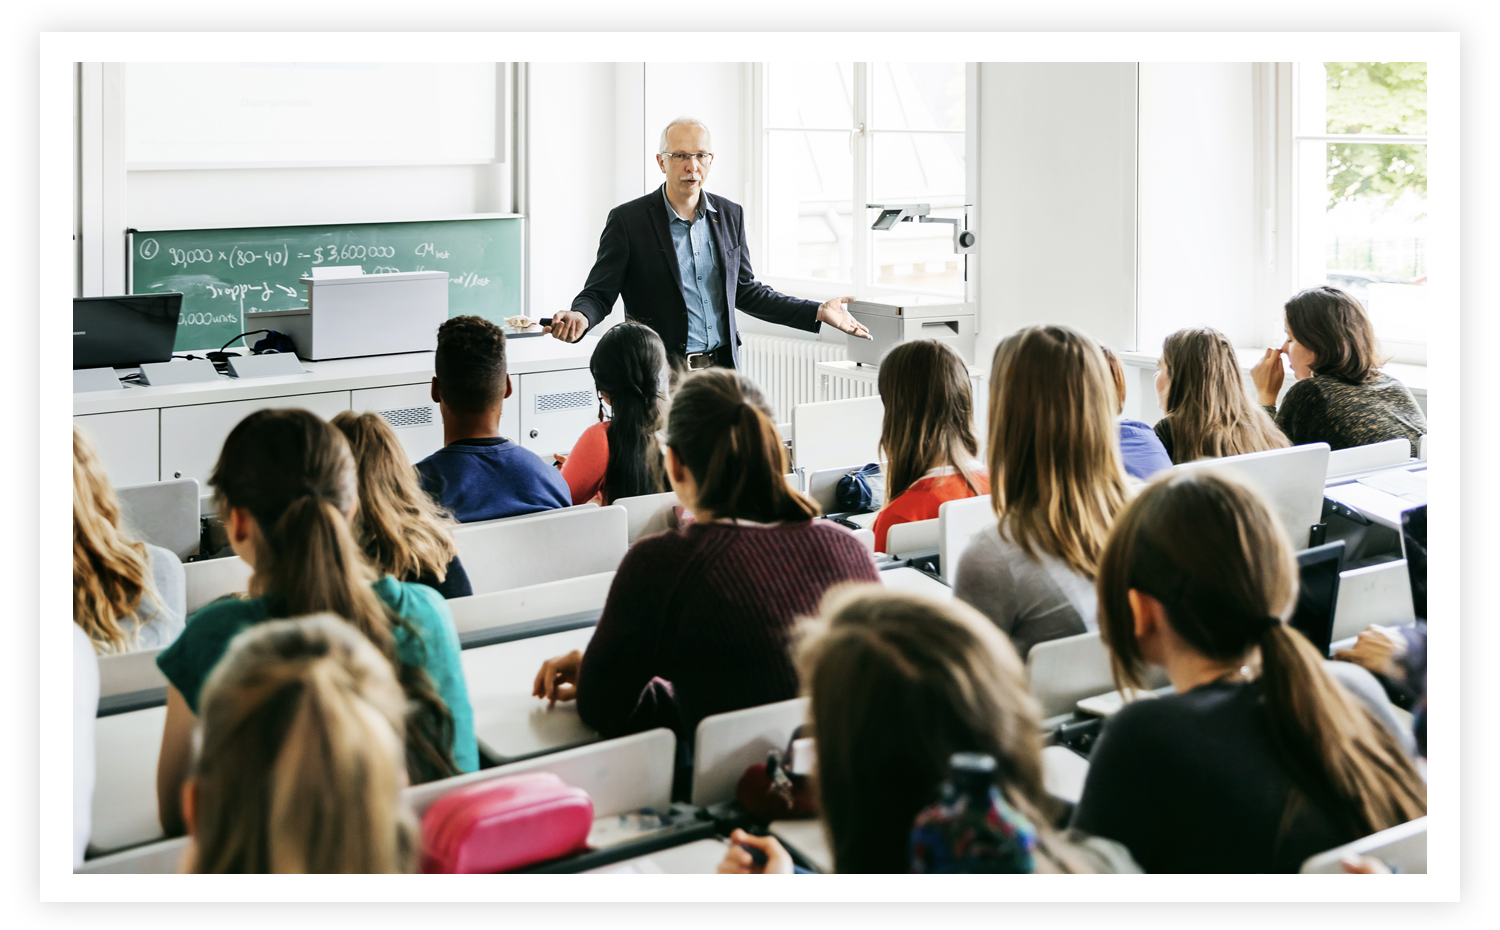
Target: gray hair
[661, 146]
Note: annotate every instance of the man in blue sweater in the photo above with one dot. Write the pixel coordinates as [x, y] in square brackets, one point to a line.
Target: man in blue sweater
[478, 474]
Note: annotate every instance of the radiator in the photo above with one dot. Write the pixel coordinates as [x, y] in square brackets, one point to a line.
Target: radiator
[785, 369]
[845, 385]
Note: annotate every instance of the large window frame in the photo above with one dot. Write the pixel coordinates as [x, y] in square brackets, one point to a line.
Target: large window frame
[862, 139]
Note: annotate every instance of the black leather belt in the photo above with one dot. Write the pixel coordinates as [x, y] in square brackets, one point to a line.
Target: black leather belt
[700, 360]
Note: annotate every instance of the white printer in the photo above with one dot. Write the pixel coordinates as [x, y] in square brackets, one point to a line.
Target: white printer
[902, 319]
[352, 315]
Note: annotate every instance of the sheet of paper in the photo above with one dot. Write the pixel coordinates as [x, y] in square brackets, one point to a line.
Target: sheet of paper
[1408, 485]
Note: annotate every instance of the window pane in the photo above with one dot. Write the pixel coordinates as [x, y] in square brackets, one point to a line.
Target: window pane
[918, 167]
[918, 95]
[809, 190]
[810, 95]
[1377, 97]
[920, 256]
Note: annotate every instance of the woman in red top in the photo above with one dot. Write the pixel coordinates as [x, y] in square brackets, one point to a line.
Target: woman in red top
[927, 438]
[619, 457]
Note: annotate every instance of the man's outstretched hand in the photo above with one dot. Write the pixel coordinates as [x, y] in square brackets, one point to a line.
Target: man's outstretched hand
[835, 314]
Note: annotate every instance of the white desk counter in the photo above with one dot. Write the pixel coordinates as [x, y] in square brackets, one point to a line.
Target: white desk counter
[158, 433]
[507, 719]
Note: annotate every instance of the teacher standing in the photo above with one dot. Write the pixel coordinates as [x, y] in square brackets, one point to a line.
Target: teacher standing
[678, 258]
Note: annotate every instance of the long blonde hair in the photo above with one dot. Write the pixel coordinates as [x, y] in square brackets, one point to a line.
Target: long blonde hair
[1219, 561]
[897, 684]
[402, 530]
[300, 767]
[1056, 476]
[1208, 410]
[929, 415]
[111, 573]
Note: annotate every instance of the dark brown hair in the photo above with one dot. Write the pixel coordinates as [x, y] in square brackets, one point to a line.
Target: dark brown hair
[721, 429]
[1208, 408]
[897, 684]
[470, 363]
[630, 365]
[1217, 558]
[295, 475]
[929, 414]
[1335, 328]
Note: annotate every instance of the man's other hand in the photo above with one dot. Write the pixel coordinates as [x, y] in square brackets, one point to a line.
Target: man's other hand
[835, 314]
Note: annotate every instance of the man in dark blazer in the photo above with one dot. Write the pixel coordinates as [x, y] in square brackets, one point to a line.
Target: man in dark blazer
[678, 258]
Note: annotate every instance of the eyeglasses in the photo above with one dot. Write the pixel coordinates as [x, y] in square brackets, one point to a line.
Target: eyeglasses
[682, 158]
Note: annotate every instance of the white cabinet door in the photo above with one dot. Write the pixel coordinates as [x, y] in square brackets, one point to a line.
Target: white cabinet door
[192, 436]
[510, 411]
[129, 442]
[409, 409]
[556, 407]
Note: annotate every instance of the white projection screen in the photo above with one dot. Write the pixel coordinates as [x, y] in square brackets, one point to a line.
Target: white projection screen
[283, 114]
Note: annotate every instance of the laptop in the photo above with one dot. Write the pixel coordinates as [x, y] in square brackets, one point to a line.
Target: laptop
[123, 332]
[1414, 548]
[1318, 593]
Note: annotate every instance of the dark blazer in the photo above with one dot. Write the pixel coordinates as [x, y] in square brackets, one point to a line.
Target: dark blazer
[636, 261]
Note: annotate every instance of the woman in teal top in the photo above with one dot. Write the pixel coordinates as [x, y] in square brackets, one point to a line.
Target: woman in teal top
[289, 471]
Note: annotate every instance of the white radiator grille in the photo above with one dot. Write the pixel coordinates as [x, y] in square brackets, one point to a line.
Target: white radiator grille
[408, 416]
[785, 369]
[847, 386]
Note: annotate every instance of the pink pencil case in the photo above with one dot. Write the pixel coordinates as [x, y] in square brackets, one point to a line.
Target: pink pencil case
[506, 824]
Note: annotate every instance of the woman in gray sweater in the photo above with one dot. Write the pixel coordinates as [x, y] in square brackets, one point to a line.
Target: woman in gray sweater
[1057, 481]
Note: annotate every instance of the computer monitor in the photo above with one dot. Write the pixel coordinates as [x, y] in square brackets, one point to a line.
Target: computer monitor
[1318, 593]
[1414, 547]
[123, 332]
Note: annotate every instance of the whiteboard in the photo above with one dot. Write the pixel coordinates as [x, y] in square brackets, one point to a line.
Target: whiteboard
[282, 114]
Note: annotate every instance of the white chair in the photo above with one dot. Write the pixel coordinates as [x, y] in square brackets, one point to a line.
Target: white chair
[830, 433]
[907, 580]
[727, 744]
[508, 720]
[1366, 458]
[640, 510]
[620, 775]
[542, 547]
[127, 672]
[163, 513]
[907, 539]
[1422, 448]
[958, 522]
[1402, 847]
[866, 537]
[1291, 480]
[211, 579]
[161, 858]
[124, 807]
[1064, 671]
[823, 485]
[1378, 593]
[532, 603]
[1063, 773]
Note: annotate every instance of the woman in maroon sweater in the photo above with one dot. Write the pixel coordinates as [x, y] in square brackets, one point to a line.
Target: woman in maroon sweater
[699, 621]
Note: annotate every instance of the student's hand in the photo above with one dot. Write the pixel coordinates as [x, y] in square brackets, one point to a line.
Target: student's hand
[1268, 374]
[738, 861]
[1363, 865]
[561, 458]
[567, 325]
[836, 315]
[558, 679]
[1377, 650]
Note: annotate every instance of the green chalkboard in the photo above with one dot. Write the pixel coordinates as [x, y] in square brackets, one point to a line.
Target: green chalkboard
[227, 275]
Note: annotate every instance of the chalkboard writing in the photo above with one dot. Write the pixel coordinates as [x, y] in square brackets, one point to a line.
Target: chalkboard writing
[226, 276]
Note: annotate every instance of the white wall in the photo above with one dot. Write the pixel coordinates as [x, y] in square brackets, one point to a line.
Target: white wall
[1197, 200]
[713, 93]
[1057, 191]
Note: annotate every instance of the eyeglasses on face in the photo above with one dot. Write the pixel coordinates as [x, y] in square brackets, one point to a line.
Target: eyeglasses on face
[682, 158]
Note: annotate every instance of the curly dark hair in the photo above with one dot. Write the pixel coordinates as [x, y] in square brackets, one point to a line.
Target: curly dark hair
[470, 363]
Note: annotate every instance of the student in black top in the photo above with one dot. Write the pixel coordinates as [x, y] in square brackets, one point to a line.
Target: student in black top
[402, 530]
[1261, 759]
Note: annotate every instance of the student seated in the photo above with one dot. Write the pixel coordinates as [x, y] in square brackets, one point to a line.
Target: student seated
[1261, 758]
[400, 529]
[927, 437]
[1208, 412]
[300, 766]
[1341, 396]
[620, 457]
[897, 685]
[285, 485]
[126, 595]
[478, 474]
[1056, 482]
[1140, 448]
[699, 620]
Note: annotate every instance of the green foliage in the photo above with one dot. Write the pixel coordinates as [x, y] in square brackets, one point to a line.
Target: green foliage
[1383, 97]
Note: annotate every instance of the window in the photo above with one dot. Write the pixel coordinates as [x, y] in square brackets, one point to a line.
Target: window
[838, 136]
[1361, 165]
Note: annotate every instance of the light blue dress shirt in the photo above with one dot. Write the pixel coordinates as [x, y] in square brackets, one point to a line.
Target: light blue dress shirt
[702, 278]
